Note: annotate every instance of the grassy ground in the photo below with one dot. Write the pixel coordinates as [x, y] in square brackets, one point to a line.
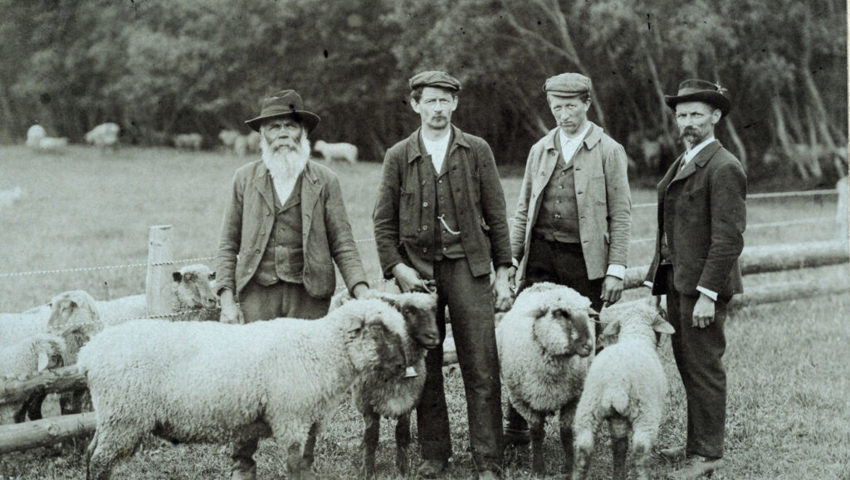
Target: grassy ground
[787, 363]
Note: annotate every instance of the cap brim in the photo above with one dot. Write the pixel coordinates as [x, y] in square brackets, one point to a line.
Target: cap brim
[309, 119]
[712, 98]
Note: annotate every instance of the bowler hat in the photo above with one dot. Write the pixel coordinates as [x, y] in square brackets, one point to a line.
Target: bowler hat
[696, 90]
[567, 85]
[434, 78]
[285, 103]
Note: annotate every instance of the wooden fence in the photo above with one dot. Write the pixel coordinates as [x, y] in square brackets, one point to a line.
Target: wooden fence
[754, 260]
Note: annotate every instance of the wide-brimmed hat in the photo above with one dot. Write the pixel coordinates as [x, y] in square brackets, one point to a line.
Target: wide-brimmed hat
[567, 85]
[696, 90]
[285, 103]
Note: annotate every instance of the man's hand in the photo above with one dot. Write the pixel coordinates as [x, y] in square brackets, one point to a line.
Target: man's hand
[703, 311]
[230, 312]
[502, 289]
[612, 289]
[512, 277]
[361, 290]
[408, 279]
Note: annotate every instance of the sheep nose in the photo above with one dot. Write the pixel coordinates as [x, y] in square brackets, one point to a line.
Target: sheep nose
[431, 341]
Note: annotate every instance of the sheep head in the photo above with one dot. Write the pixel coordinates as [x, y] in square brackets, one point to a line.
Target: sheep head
[420, 315]
[193, 286]
[563, 332]
[638, 320]
[375, 336]
[74, 307]
[49, 350]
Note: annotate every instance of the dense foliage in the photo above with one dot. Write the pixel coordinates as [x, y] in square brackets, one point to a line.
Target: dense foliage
[161, 67]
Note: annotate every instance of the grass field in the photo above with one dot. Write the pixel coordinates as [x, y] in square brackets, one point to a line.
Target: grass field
[788, 364]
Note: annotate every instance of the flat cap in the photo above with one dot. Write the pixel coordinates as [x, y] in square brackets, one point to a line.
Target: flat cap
[434, 78]
[567, 85]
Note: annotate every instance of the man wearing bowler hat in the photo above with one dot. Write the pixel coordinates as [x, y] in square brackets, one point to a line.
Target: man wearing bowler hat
[701, 222]
[573, 216]
[440, 218]
[284, 227]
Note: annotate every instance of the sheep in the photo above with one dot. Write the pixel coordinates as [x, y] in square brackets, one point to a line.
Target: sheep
[34, 135]
[191, 141]
[52, 144]
[14, 327]
[27, 356]
[336, 151]
[104, 135]
[228, 138]
[216, 382]
[395, 398]
[545, 343]
[626, 386]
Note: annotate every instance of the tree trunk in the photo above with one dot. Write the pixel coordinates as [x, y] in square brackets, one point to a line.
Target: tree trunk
[739, 145]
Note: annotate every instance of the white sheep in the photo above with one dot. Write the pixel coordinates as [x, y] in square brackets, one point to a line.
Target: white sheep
[22, 359]
[215, 382]
[228, 137]
[626, 386]
[52, 144]
[190, 141]
[34, 135]
[104, 135]
[336, 151]
[395, 398]
[546, 342]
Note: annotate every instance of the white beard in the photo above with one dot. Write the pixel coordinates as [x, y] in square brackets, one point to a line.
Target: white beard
[285, 165]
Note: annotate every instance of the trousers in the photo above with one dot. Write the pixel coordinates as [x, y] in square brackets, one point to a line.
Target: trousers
[470, 303]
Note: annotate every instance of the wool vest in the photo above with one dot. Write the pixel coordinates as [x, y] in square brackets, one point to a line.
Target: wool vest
[558, 216]
[283, 258]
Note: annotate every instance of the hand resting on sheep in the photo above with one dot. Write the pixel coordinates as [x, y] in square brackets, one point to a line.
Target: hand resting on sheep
[215, 382]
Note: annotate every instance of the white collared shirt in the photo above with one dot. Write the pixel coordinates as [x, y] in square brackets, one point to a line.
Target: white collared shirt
[570, 145]
[690, 154]
[437, 149]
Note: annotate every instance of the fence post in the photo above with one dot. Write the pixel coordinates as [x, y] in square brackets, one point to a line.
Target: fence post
[842, 214]
[159, 276]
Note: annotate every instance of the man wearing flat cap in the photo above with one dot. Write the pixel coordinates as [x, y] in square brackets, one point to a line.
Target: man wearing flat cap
[701, 222]
[440, 220]
[573, 216]
[284, 227]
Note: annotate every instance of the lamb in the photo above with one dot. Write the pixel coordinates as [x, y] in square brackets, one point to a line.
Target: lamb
[396, 398]
[336, 151]
[24, 358]
[104, 135]
[52, 144]
[546, 342]
[34, 135]
[216, 382]
[626, 386]
[191, 141]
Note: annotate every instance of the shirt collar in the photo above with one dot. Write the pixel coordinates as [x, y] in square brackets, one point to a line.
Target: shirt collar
[690, 154]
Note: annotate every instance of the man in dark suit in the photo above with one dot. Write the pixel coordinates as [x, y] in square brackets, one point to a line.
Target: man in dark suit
[701, 221]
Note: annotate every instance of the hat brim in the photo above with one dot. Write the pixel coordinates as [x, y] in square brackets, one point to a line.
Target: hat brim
[714, 99]
[309, 119]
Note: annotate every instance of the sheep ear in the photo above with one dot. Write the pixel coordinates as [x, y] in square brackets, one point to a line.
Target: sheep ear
[355, 324]
[212, 275]
[177, 276]
[593, 314]
[610, 333]
[662, 326]
[43, 361]
[390, 300]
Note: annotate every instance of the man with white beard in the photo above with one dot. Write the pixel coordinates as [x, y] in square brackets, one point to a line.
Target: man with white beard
[283, 229]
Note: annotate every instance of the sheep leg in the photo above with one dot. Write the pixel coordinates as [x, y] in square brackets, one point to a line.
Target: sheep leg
[402, 443]
[108, 446]
[371, 432]
[310, 444]
[33, 405]
[565, 417]
[642, 442]
[583, 429]
[536, 428]
[619, 428]
[296, 464]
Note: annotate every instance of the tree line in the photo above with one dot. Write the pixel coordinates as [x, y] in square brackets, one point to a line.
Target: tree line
[160, 67]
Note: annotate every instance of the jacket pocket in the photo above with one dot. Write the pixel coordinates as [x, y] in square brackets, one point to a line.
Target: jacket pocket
[408, 215]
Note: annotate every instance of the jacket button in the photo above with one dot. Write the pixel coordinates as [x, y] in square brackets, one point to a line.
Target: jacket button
[425, 204]
[424, 249]
[257, 251]
[424, 227]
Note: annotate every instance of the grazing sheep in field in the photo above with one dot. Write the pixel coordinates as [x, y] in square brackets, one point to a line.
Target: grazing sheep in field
[189, 141]
[395, 398]
[34, 135]
[52, 144]
[104, 135]
[546, 342]
[22, 359]
[228, 137]
[215, 382]
[336, 151]
[240, 144]
[626, 386]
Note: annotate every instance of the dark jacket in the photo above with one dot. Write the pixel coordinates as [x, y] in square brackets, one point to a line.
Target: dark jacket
[402, 218]
[326, 233]
[701, 216]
